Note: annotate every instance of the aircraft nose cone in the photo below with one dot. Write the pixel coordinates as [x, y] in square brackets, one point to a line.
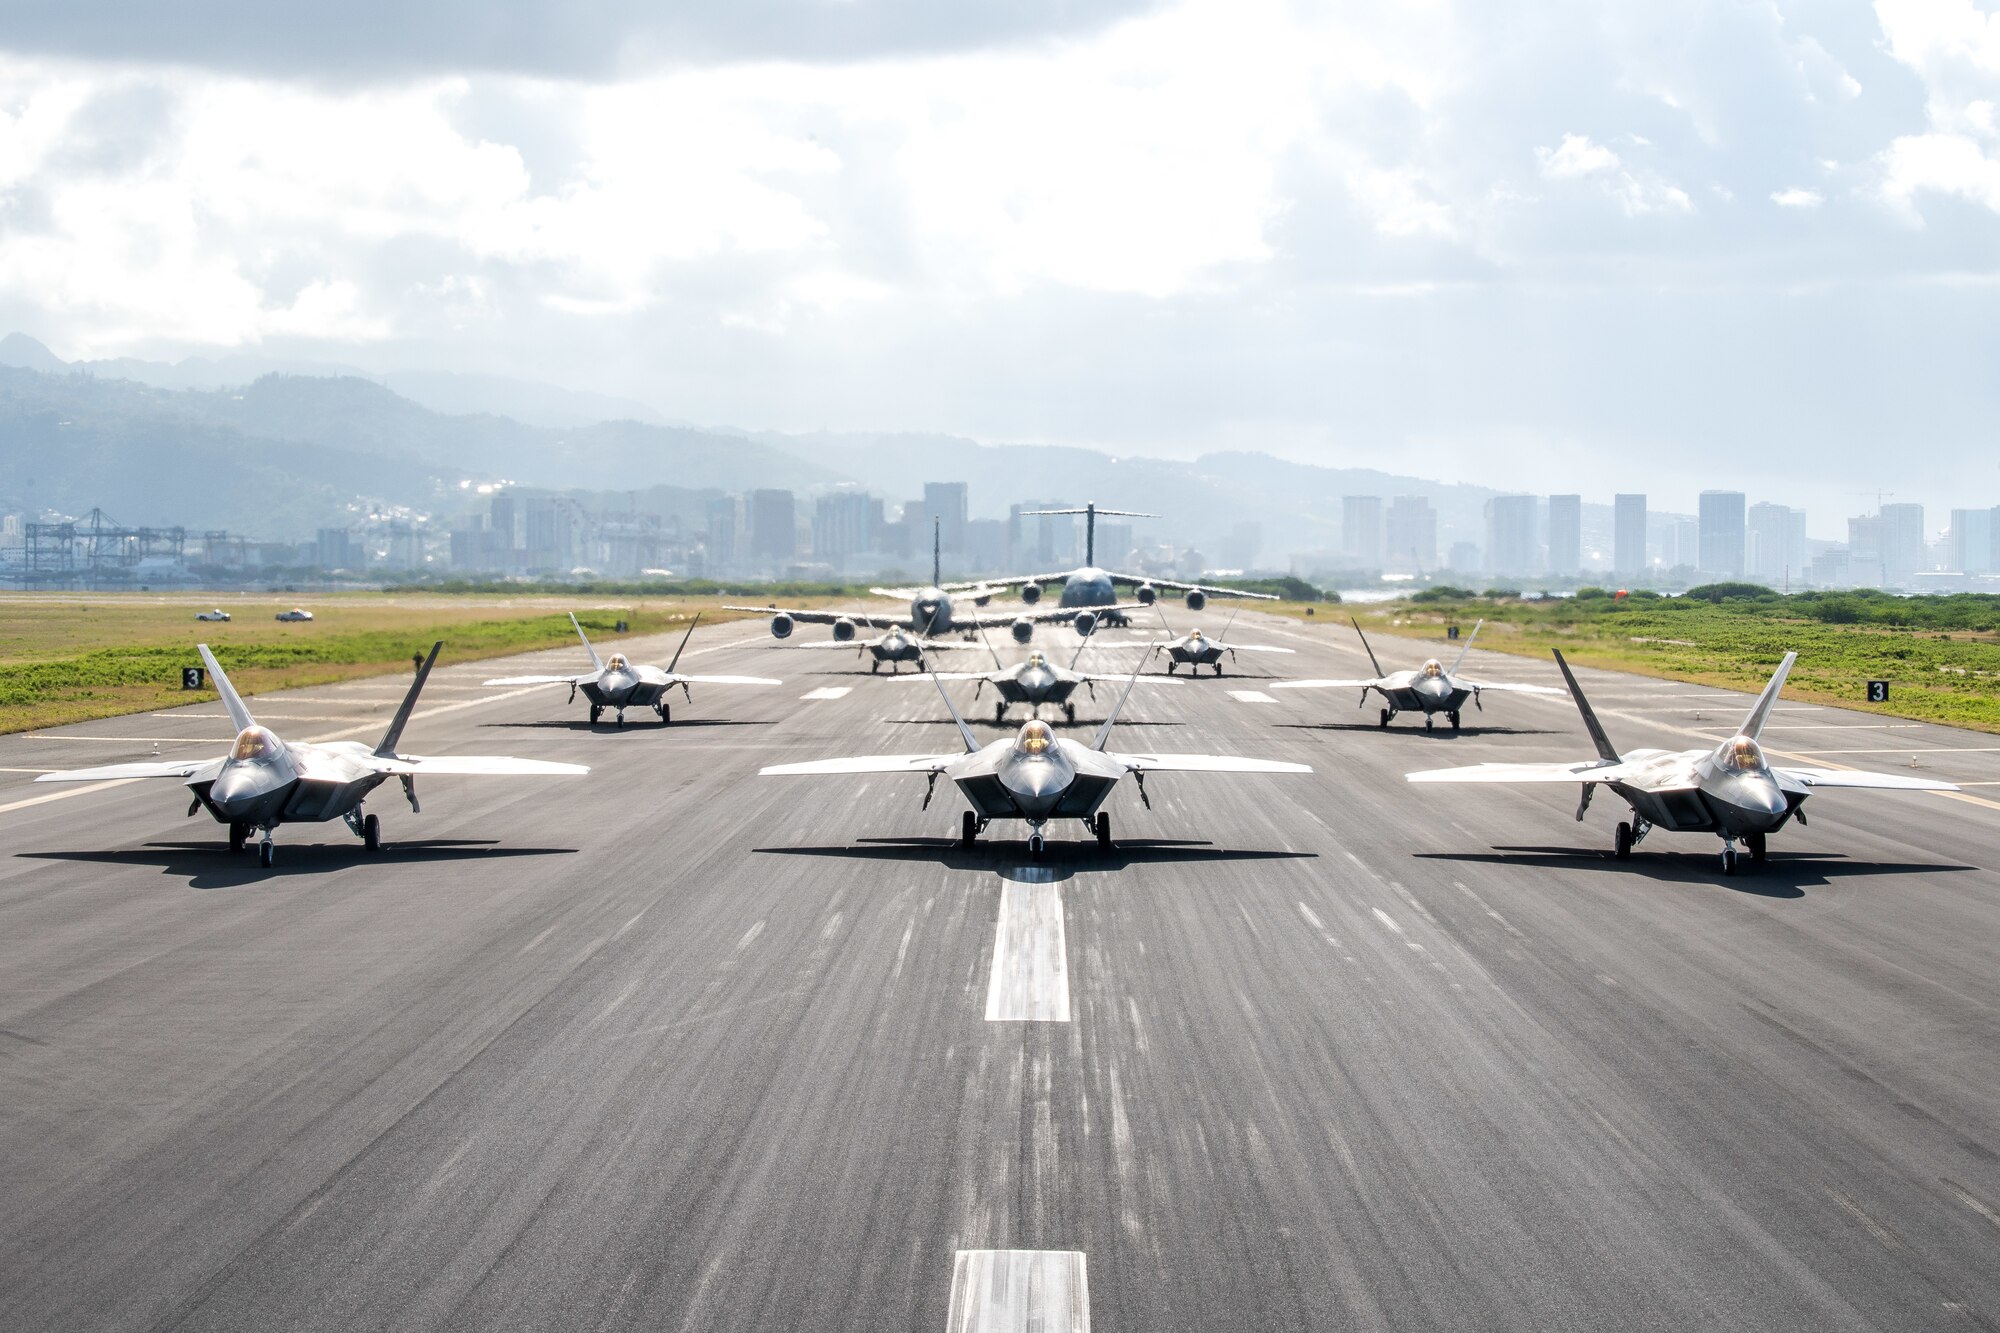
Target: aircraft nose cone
[1035, 785]
[236, 792]
[1762, 795]
[1433, 687]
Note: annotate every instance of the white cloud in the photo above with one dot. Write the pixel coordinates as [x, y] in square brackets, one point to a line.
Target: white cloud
[1575, 156]
[1796, 197]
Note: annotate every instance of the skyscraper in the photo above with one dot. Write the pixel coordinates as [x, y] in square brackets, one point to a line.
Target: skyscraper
[1412, 535]
[773, 531]
[1510, 534]
[1722, 534]
[1903, 551]
[945, 505]
[1565, 534]
[1768, 551]
[1361, 529]
[1628, 534]
[845, 523]
[1972, 541]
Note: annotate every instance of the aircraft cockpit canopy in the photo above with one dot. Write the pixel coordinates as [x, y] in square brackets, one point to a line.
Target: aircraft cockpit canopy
[256, 744]
[1036, 738]
[1036, 659]
[1196, 635]
[1433, 669]
[1740, 755]
[617, 662]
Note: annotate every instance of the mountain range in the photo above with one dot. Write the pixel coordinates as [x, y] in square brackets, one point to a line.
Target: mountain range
[276, 450]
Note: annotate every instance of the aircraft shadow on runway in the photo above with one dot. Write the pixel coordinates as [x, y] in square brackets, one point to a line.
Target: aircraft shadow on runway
[1060, 859]
[1436, 733]
[1784, 875]
[208, 865]
[637, 724]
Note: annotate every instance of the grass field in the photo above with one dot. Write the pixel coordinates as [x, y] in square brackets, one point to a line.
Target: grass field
[1943, 665]
[69, 658]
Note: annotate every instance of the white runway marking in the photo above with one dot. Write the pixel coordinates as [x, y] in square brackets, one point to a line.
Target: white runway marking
[63, 795]
[1030, 957]
[828, 692]
[1251, 697]
[1015, 1291]
[137, 740]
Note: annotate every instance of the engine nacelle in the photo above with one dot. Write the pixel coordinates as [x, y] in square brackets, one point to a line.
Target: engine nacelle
[1085, 622]
[1022, 630]
[843, 630]
[1146, 593]
[1031, 593]
[1196, 599]
[781, 626]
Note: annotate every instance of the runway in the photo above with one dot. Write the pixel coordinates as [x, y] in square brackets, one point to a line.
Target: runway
[673, 1046]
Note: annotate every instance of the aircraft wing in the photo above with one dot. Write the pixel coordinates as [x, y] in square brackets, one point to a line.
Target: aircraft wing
[727, 680]
[1141, 680]
[1854, 777]
[1257, 648]
[1375, 684]
[469, 765]
[981, 585]
[1204, 763]
[1511, 687]
[1206, 589]
[170, 768]
[943, 675]
[824, 617]
[1586, 770]
[583, 679]
[1061, 615]
[872, 763]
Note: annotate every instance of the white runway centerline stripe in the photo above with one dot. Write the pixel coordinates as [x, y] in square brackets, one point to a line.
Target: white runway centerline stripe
[64, 795]
[1030, 957]
[1251, 697]
[1015, 1291]
[828, 692]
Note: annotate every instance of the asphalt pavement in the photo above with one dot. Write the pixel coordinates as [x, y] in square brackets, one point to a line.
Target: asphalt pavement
[673, 1046]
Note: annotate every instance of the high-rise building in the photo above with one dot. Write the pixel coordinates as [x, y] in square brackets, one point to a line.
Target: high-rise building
[1411, 529]
[1972, 541]
[1463, 557]
[1565, 534]
[1796, 559]
[1628, 534]
[1510, 535]
[1768, 554]
[337, 548]
[1903, 549]
[1721, 534]
[773, 525]
[724, 528]
[1361, 529]
[945, 506]
[845, 523]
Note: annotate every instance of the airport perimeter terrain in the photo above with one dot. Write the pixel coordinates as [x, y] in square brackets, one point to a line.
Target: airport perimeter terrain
[676, 1046]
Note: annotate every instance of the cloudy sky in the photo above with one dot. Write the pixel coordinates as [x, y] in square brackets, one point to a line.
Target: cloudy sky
[1589, 247]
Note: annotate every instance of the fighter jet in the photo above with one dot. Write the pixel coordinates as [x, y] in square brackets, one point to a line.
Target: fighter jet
[1035, 775]
[1195, 650]
[617, 684]
[1431, 688]
[895, 646]
[931, 614]
[1729, 790]
[1035, 682]
[1089, 587]
[264, 782]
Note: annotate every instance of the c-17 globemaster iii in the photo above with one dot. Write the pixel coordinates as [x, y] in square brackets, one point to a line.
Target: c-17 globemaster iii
[617, 683]
[1431, 689]
[1035, 775]
[264, 782]
[1730, 790]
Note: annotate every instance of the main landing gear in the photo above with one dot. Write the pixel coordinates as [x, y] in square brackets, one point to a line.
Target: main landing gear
[1627, 837]
[1101, 826]
[666, 713]
[238, 835]
[596, 711]
[968, 830]
[1453, 715]
[366, 827]
[999, 712]
[1069, 714]
[1387, 713]
[1218, 668]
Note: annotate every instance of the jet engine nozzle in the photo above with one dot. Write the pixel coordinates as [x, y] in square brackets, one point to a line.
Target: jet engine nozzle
[781, 626]
[843, 630]
[1031, 593]
[1022, 629]
[1196, 599]
[1146, 593]
[1085, 622]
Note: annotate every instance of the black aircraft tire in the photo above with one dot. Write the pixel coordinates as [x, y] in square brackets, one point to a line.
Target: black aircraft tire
[1454, 719]
[1170, 668]
[666, 715]
[999, 713]
[1104, 830]
[266, 853]
[1755, 842]
[1429, 722]
[968, 830]
[371, 833]
[1218, 668]
[1069, 714]
[238, 835]
[1621, 842]
[1385, 718]
[595, 713]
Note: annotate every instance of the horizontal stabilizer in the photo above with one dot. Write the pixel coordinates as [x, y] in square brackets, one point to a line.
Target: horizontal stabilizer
[1205, 763]
[475, 765]
[1510, 687]
[1592, 770]
[584, 679]
[871, 763]
[1323, 685]
[730, 680]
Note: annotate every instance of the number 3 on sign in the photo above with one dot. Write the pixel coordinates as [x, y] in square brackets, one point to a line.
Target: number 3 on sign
[192, 677]
[1878, 691]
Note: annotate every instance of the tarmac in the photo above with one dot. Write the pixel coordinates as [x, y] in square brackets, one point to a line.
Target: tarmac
[674, 1046]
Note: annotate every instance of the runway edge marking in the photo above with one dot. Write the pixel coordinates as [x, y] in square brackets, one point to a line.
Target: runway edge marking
[1015, 1291]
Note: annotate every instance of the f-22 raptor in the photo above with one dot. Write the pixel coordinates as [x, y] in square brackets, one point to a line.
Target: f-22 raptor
[1037, 681]
[1730, 790]
[1036, 776]
[618, 684]
[264, 782]
[1431, 689]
